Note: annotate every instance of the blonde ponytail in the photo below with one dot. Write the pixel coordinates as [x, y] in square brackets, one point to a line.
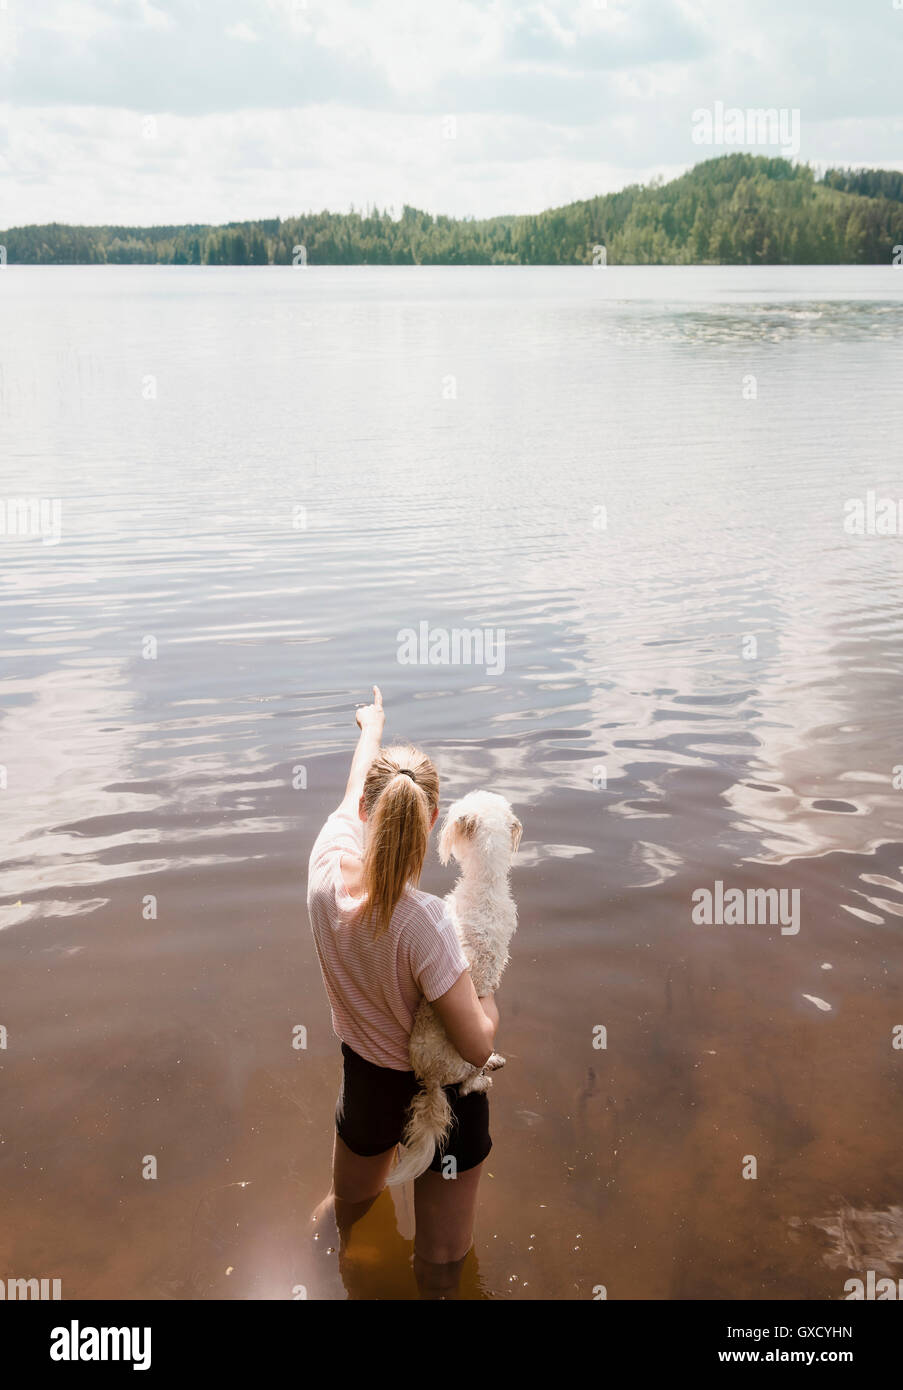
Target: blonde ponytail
[401, 792]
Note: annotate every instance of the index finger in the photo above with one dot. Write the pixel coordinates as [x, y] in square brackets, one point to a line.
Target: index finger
[377, 697]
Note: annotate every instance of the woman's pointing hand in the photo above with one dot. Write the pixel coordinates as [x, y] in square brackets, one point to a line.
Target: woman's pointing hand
[371, 717]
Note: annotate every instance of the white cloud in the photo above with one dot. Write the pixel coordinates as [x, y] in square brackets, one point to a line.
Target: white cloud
[152, 17]
[243, 32]
[277, 106]
[215, 168]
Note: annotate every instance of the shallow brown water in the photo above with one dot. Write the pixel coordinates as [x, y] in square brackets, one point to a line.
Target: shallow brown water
[646, 754]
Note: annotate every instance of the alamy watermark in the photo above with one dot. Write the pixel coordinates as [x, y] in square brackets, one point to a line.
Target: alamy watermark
[734, 125]
[455, 646]
[872, 1287]
[32, 516]
[732, 907]
[78, 1343]
[873, 515]
[21, 1290]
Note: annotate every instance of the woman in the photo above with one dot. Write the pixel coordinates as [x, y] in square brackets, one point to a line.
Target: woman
[384, 945]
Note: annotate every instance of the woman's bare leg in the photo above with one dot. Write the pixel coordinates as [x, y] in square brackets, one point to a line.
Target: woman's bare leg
[359, 1179]
[356, 1184]
[444, 1212]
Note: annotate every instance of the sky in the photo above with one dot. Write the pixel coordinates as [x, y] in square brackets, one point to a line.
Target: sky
[138, 112]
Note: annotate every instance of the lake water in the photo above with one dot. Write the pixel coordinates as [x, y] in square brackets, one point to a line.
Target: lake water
[641, 482]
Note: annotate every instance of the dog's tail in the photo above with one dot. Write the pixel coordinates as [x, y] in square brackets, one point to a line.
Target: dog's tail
[429, 1120]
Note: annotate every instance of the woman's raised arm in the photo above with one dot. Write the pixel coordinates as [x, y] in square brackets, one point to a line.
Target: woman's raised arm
[370, 720]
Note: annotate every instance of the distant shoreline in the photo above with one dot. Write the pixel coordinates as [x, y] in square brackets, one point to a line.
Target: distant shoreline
[738, 209]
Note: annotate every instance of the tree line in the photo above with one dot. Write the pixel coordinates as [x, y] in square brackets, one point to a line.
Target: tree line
[739, 209]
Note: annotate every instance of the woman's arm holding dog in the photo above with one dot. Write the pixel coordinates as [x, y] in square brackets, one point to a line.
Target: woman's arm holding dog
[490, 1009]
[469, 1024]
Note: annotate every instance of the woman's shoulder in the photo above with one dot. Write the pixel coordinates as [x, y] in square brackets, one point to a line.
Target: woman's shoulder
[341, 833]
[426, 910]
[430, 940]
[339, 839]
[343, 827]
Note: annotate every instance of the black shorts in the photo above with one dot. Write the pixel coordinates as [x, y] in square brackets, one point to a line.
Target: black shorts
[372, 1110]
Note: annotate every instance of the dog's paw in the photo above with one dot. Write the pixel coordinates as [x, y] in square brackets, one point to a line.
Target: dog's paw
[496, 1061]
[480, 1082]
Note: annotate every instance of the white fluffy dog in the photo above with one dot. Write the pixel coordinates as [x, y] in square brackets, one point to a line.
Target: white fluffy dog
[482, 832]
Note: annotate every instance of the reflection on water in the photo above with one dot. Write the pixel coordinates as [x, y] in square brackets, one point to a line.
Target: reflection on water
[640, 477]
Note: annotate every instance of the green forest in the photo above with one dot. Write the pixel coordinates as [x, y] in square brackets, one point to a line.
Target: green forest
[740, 209]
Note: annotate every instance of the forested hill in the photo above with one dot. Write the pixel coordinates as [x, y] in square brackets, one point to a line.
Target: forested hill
[736, 210]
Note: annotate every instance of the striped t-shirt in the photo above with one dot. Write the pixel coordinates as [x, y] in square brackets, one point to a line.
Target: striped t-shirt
[375, 984]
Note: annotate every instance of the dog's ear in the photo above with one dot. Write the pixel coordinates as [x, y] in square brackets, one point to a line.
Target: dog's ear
[462, 827]
[516, 831]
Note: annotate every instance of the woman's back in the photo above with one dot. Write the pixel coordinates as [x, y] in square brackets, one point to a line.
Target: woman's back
[375, 981]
